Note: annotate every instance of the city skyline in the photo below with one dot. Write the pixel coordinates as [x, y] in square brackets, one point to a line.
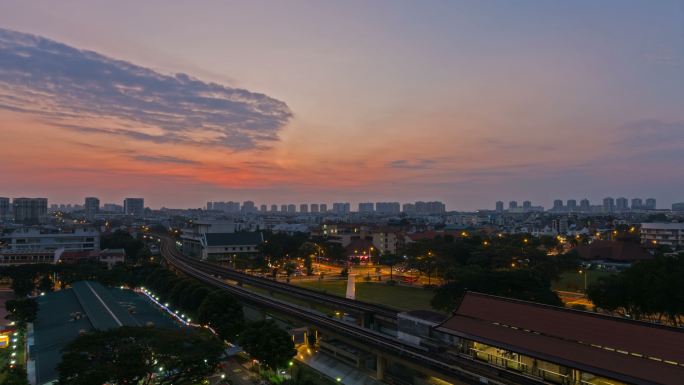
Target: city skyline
[464, 103]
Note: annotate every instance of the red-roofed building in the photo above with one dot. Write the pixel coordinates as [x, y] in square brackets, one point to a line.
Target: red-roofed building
[564, 346]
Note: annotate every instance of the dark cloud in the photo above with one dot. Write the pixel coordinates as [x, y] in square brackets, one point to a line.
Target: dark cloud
[63, 84]
[163, 159]
[412, 164]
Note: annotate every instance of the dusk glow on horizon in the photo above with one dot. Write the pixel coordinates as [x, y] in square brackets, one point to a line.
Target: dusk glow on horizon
[464, 102]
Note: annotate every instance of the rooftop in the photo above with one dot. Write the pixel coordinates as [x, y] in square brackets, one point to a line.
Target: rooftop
[241, 238]
[625, 350]
[63, 315]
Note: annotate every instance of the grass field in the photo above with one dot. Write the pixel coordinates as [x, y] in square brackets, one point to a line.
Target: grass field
[574, 281]
[399, 297]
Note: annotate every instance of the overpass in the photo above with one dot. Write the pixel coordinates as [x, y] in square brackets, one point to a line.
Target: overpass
[386, 348]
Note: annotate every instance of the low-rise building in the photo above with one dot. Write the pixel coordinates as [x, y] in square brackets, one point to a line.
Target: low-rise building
[669, 234]
[563, 346]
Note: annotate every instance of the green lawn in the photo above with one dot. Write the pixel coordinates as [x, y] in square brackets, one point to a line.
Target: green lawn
[399, 297]
[574, 281]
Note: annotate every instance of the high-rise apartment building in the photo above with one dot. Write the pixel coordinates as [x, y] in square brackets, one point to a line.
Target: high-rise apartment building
[30, 211]
[527, 205]
[499, 206]
[291, 209]
[388, 208]
[304, 208]
[637, 204]
[248, 207]
[650, 204]
[274, 208]
[263, 209]
[408, 208]
[210, 206]
[429, 208]
[608, 205]
[585, 205]
[134, 207]
[324, 208]
[679, 206]
[91, 207]
[572, 205]
[4, 208]
[341, 208]
[283, 208]
[621, 204]
[366, 208]
[558, 205]
[314, 208]
[512, 205]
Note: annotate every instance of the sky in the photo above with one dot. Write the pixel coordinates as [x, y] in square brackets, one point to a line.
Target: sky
[467, 102]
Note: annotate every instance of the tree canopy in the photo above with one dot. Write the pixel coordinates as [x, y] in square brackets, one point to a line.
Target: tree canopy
[140, 355]
[269, 344]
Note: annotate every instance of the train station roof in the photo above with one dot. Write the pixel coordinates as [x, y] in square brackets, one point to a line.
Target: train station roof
[63, 315]
[618, 348]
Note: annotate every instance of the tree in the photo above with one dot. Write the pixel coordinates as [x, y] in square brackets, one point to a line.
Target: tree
[45, 284]
[23, 286]
[267, 343]
[16, 375]
[390, 260]
[140, 355]
[21, 311]
[290, 268]
[223, 313]
[521, 284]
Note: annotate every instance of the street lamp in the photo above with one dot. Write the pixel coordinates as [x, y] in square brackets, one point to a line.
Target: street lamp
[585, 273]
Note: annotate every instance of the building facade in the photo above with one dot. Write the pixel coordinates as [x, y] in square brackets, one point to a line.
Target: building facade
[134, 207]
[669, 234]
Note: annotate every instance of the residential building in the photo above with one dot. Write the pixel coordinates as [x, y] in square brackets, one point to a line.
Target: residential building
[248, 207]
[341, 208]
[621, 204]
[499, 207]
[670, 234]
[572, 205]
[527, 205]
[678, 206]
[608, 205]
[30, 211]
[430, 208]
[134, 207]
[637, 203]
[283, 208]
[314, 208]
[291, 209]
[585, 205]
[304, 208]
[324, 208]
[263, 209]
[4, 208]
[557, 205]
[388, 241]
[389, 208]
[92, 207]
[408, 208]
[274, 208]
[650, 204]
[512, 205]
[366, 208]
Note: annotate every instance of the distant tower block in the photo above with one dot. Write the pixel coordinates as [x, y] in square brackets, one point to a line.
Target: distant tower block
[351, 286]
